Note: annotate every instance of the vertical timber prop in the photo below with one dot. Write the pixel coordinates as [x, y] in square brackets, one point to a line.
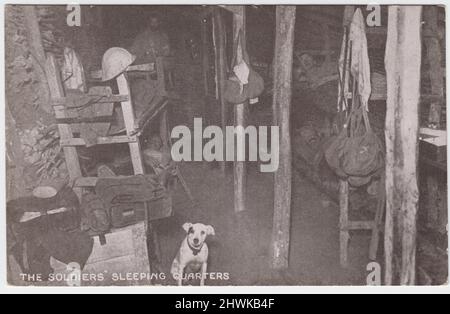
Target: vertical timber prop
[344, 234]
[402, 61]
[205, 55]
[432, 36]
[284, 41]
[221, 68]
[434, 56]
[240, 175]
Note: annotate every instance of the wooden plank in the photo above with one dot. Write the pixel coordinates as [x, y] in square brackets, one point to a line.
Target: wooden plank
[99, 99]
[403, 93]
[92, 181]
[360, 225]
[93, 120]
[86, 182]
[148, 67]
[65, 133]
[322, 52]
[284, 43]
[240, 171]
[128, 116]
[100, 141]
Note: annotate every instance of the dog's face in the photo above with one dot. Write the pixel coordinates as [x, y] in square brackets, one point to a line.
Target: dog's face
[197, 233]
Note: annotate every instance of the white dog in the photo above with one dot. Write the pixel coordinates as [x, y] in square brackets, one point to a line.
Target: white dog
[193, 252]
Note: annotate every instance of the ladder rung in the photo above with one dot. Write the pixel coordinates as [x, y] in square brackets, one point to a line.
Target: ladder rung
[359, 225]
[148, 67]
[86, 182]
[98, 99]
[92, 181]
[100, 140]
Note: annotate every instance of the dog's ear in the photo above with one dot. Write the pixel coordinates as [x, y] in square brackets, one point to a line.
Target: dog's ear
[210, 230]
[187, 226]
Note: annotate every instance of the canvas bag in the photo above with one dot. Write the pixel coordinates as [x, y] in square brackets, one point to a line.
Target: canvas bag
[334, 152]
[362, 152]
[123, 197]
[233, 93]
[356, 153]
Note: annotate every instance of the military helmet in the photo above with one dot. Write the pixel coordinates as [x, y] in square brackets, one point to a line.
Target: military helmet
[115, 61]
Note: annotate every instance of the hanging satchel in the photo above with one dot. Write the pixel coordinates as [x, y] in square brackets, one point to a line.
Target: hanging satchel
[362, 153]
[357, 153]
[235, 92]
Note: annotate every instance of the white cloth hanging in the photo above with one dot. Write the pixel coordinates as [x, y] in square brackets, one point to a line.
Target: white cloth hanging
[344, 92]
[241, 69]
[360, 65]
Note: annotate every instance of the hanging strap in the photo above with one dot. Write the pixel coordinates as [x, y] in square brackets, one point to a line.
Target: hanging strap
[358, 115]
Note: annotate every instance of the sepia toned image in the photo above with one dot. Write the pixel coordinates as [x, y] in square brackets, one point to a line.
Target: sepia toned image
[225, 145]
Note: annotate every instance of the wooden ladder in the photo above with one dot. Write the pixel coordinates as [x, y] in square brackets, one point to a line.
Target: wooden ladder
[345, 224]
[69, 142]
[138, 232]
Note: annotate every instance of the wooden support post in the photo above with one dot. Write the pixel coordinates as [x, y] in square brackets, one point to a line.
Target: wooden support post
[65, 133]
[284, 42]
[344, 235]
[221, 69]
[240, 172]
[434, 56]
[205, 55]
[403, 61]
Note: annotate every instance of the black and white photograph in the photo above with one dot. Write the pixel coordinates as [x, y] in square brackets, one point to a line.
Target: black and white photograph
[225, 145]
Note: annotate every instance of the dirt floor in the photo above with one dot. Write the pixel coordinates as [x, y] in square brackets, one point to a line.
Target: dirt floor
[241, 246]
